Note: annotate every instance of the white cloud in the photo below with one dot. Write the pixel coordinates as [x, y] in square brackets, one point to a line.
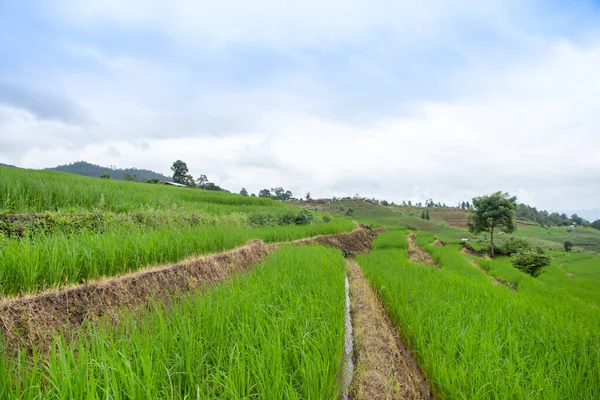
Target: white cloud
[525, 121]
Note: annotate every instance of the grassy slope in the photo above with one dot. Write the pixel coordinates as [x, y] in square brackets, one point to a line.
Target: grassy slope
[26, 191]
[123, 226]
[478, 340]
[276, 332]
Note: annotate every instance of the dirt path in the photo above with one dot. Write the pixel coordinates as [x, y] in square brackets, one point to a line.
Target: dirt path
[384, 367]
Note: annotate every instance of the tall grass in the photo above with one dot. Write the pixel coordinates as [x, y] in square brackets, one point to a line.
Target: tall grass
[33, 264]
[272, 334]
[28, 191]
[477, 340]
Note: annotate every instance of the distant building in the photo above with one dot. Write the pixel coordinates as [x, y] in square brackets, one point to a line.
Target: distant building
[502, 233]
[174, 184]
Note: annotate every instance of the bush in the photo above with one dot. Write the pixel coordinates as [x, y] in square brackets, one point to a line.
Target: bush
[512, 246]
[530, 261]
[304, 217]
[327, 218]
[568, 246]
[288, 218]
[350, 212]
[263, 219]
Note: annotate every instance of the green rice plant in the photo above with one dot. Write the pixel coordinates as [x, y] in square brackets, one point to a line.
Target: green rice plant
[275, 333]
[392, 239]
[29, 191]
[47, 261]
[478, 340]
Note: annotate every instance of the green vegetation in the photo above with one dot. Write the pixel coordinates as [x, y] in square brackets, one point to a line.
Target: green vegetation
[477, 340]
[490, 212]
[34, 264]
[87, 169]
[90, 228]
[28, 191]
[276, 332]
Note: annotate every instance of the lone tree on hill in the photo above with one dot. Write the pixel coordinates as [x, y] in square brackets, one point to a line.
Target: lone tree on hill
[180, 172]
[491, 212]
[244, 192]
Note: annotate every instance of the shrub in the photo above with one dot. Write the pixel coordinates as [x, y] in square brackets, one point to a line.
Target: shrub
[304, 217]
[512, 246]
[288, 218]
[568, 245]
[263, 219]
[530, 261]
[327, 218]
[350, 212]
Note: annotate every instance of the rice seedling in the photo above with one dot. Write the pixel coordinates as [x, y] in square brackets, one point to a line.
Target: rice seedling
[277, 332]
[477, 340]
[47, 261]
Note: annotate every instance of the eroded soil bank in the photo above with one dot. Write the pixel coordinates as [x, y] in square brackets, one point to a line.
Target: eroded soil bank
[416, 253]
[384, 367]
[30, 322]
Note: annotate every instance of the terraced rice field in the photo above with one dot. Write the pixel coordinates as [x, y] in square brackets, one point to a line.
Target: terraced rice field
[475, 339]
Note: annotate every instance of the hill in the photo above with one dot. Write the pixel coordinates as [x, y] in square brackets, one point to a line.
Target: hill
[93, 170]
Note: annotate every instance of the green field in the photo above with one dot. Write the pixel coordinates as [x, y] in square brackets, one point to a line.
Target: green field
[478, 340]
[479, 328]
[276, 332]
[85, 228]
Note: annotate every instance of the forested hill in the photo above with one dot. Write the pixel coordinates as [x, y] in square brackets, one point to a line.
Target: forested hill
[87, 169]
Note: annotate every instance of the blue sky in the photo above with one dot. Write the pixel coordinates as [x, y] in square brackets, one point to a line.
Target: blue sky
[392, 99]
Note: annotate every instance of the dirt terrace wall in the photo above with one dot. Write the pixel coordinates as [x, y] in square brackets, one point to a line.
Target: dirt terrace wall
[31, 321]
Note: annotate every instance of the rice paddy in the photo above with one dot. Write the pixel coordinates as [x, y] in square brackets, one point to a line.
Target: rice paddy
[477, 340]
[276, 332]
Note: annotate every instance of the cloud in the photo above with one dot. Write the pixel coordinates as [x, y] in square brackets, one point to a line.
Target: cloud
[44, 105]
[390, 99]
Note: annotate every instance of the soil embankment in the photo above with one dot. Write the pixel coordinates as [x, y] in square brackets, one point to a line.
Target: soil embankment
[496, 281]
[416, 253]
[385, 368]
[31, 321]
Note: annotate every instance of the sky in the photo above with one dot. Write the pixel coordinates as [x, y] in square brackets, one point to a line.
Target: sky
[392, 99]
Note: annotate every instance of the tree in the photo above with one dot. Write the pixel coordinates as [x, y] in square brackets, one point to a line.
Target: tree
[264, 193]
[190, 182]
[427, 215]
[568, 245]
[244, 192]
[212, 186]
[180, 172]
[281, 194]
[596, 224]
[105, 175]
[308, 198]
[577, 219]
[201, 181]
[491, 212]
[422, 214]
[129, 177]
